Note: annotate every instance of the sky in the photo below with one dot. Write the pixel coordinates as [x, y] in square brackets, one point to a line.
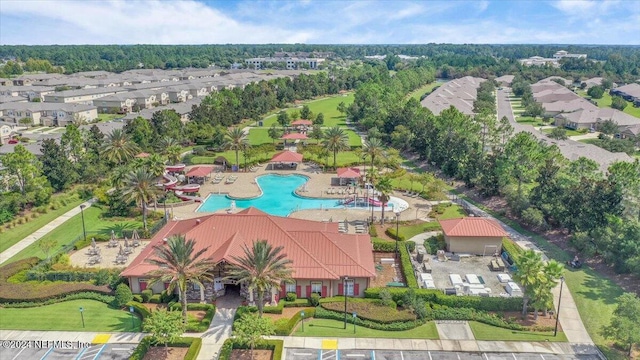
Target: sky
[45, 22]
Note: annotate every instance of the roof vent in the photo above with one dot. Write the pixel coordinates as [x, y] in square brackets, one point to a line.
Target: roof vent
[197, 221]
[165, 240]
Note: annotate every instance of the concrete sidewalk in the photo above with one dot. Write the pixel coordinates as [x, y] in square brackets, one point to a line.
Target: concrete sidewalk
[79, 336]
[35, 236]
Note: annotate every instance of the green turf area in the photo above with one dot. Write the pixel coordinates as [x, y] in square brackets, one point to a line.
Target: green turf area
[594, 295]
[409, 231]
[487, 332]
[109, 117]
[354, 139]
[72, 228]
[334, 328]
[258, 136]
[527, 120]
[605, 101]
[569, 132]
[327, 106]
[230, 155]
[66, 316]
[417, 94]
[11, 236]
[343, 158]
[452, 212]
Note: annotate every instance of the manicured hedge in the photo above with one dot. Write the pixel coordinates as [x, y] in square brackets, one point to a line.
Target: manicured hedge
[371, 309]
[28, 292]
[194, 345]
[230, 344]
[391, 232]
[407, 266]
[383, 245]
[438, 312]
[283, 327]
[81, 244]
[107, 299]
[78, 274]
[437, 297]
[140, 309]
[394, 326]
[513, 249]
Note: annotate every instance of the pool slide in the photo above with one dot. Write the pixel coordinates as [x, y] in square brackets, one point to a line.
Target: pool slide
[184, 197]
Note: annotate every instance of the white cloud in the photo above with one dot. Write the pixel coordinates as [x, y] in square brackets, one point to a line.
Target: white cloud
[148, 21]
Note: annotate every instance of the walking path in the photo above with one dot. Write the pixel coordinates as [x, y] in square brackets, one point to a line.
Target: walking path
[36, 235]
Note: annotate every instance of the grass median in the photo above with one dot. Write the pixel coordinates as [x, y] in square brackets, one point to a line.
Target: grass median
[493, 333]
[334, 328]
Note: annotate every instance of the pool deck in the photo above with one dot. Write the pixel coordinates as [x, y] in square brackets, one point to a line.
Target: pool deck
[245, 187]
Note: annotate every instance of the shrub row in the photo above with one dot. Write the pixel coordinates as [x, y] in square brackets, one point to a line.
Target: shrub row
[107, 299]
[322, 313]
[230, 344]
[438, 312]
[383, 245]
[372, 231]
[25, 292]
[202, 325]
[192, 307]
[194, 345]
[139, 309]
[407, 266]
[66, 275]
[284, 327]
[437, 297]
[391, 232]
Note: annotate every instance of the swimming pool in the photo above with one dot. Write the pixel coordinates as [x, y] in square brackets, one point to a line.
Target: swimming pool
[278, 197]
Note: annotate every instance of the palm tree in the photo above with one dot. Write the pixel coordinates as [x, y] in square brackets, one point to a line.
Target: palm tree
[235, 139]
[384, 187]
[262, 268]
[179, 265]
[373, 148]
[165, 142]
[335, 140]
[140, 186]
[553, 271]
[118, 147]
[118, 174]
[155, 164]
[530, 275]
[173, 153]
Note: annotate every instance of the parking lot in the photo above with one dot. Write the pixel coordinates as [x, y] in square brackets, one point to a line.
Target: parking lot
[477, 265]
[317, 354]
[94, 352]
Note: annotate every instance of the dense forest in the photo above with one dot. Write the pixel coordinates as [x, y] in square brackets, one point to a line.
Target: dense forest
[619, 61]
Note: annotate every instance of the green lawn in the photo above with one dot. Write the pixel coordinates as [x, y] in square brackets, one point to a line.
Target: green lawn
[605, 101]
[594, 295]
[452, 212]
[343, 158]
[570, 132]
[527, 120]
[409, 231]
[109, 117]
[230, 155]
[334, 328]
[354, 139]
[72, 228]
[12, 236]
[417, 94]
[487, 332]
[66, 316]
[327, 106]
[258, 136]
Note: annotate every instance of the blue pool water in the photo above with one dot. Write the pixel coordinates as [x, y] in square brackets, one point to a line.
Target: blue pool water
[278, 197]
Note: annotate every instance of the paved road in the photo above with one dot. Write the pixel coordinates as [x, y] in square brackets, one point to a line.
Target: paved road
[365, 354]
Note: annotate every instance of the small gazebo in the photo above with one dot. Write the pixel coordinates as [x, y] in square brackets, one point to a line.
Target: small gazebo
[200, 173]
[348, 175]
[289, 158]
[302, 124]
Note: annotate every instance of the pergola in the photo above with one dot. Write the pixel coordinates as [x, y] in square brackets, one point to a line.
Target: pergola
[348, 175]
[293, 136]
[199, 172]
[291, 158]
[302, 123]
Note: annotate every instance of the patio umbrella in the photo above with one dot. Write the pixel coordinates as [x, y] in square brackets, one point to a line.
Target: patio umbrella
[126, 242]
[113, 235]
[93, 243]
[135, 235]
[120, 252]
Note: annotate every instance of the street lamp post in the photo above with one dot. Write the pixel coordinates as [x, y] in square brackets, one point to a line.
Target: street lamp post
[555, 331]
[354, 321]
[344, 290]
[82, 316]
[84, 231]
[397, 229]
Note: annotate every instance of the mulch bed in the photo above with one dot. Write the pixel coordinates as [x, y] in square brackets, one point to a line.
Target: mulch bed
[160, 353]
[198, 314]
[529, 320]
[241, 354]
[388, 273]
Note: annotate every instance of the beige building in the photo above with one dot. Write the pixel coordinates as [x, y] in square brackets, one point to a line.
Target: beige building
[473, 235]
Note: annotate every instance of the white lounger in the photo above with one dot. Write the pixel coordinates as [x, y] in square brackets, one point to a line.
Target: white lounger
[456, 280]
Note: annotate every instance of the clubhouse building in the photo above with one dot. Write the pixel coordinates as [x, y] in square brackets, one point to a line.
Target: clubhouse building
[321, 256]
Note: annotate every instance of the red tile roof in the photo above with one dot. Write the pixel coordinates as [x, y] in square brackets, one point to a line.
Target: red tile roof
[350, 173]
[317, 249]
[200, 171]
[287, 156]
[472, 226]
[294, 136]
[302, 122]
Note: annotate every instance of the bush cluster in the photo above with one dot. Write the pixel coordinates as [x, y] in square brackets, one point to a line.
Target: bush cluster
[407, 267]
[81, 244]
[391, 232]
[107, 299]
[370, 309]
[512, 249]
[322, 313]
